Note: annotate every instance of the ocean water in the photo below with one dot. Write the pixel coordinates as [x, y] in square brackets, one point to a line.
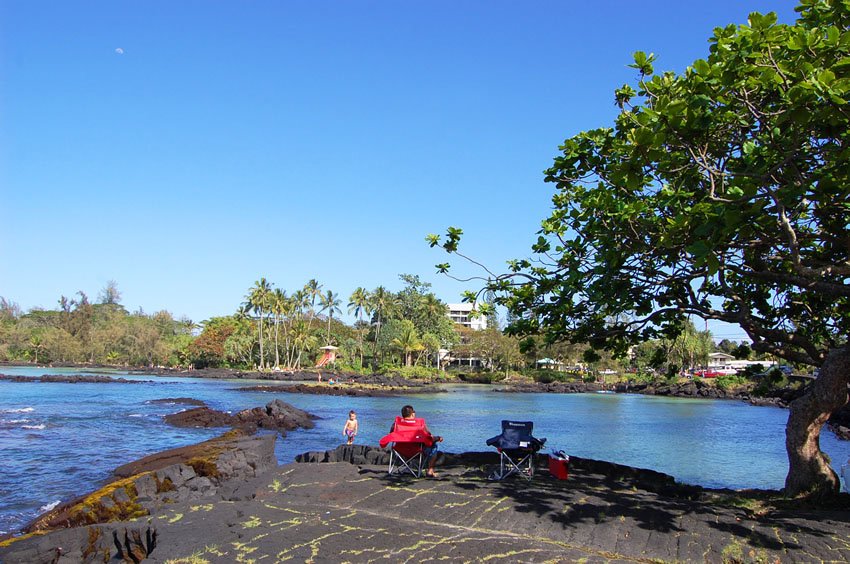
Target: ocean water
[58, 441]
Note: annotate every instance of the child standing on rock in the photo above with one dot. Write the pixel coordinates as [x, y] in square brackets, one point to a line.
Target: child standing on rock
[351, 427]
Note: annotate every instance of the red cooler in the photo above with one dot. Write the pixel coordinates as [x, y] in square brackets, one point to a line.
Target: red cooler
[559, 467]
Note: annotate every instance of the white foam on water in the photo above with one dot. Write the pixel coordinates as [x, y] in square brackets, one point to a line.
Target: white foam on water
[135, 415]
[21, 410]
[48, 506]
[18, 421]
[38, 427]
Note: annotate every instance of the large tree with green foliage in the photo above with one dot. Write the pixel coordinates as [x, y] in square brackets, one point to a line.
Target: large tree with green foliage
[724, 193]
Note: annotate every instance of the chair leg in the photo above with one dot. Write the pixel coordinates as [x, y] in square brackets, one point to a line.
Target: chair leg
[400, 465]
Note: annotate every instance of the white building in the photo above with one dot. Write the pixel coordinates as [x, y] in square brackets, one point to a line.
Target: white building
[463, 315]
[723, 362]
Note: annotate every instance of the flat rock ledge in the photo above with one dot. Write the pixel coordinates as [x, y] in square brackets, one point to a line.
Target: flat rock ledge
[638, 477]
[87, 529]
[341, 506]
[72, 379]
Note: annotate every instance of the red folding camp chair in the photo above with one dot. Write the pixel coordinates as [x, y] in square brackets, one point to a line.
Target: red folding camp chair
[408, 441]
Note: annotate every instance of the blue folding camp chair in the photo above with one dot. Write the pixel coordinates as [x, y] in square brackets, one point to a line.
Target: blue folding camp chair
[517, 449]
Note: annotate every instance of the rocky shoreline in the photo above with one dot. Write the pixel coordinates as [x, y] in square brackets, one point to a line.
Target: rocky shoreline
[72, 379]
[345, 389]
[226, 500]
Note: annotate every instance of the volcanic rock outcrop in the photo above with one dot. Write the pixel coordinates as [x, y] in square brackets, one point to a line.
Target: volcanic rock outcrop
[277, 415]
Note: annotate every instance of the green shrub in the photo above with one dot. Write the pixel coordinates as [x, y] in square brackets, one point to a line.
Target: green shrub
[642, 377]
[481, 377]
[354, 368]
[410, 372]
[729, 381]
[772, 380]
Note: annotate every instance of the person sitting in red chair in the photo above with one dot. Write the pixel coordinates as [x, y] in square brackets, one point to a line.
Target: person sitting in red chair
[430, 452]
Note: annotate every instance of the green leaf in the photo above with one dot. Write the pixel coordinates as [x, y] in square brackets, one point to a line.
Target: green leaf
[699, 249]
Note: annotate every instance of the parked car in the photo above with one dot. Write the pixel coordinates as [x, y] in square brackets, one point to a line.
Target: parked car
[708, 373]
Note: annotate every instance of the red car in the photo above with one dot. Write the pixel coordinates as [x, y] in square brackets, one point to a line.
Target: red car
[708, 373]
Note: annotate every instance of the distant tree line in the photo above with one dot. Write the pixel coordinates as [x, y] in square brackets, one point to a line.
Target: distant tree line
[81, 331]
[276, 329]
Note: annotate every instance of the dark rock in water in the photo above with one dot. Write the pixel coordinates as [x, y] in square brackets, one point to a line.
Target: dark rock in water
[576, 387]
[199, 417]
[767, 402]
[276, 415]
[72, 379]
[182, 401]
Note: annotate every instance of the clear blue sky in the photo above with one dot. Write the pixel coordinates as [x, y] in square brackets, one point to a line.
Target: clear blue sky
[186, 148]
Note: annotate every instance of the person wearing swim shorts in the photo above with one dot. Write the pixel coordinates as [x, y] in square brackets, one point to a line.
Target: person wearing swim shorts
[351, 427]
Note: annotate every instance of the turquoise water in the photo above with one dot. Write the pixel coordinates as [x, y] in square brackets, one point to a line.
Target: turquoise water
[61, 440]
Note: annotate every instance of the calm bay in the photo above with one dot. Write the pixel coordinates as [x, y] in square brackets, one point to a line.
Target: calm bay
[60, 440]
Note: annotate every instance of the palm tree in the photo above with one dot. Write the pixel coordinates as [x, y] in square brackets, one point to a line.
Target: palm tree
[431, 309]
[279, 305]
[258, 299]
[313, 290]
[408, 341]
[302, 340]
[359, 304]
[330, 303]
[298, 303]
[37, 344]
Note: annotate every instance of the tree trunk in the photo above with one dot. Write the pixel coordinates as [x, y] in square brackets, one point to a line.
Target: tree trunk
[276, 344]
[809, 472]
[260, 331]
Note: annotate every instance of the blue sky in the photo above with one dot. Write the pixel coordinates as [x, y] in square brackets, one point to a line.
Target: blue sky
[186, 148]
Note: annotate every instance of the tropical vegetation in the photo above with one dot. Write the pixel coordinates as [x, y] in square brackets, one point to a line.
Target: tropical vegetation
[722, 193]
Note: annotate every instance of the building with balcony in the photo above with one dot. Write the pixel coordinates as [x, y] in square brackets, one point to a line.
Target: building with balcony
[462, 314]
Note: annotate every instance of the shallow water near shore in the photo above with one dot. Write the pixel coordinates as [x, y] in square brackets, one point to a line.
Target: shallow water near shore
[60, 440]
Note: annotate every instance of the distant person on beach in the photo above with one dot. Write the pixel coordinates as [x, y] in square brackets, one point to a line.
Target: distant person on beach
[351, 427]
[408, 413]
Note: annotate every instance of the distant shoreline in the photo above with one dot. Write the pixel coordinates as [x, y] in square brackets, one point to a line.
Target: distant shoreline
[839, 423]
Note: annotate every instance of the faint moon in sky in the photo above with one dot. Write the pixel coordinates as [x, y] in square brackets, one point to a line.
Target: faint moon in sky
[120, 51]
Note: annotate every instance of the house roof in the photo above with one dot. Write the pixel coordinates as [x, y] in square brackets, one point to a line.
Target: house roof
[722, 355]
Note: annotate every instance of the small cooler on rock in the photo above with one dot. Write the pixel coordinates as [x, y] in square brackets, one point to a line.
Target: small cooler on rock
[559, 465]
